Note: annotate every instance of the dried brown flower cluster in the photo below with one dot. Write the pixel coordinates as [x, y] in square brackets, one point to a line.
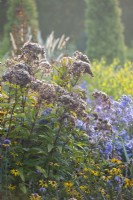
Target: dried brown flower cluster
[72, 102]
[75, 66]
[103, 125]
[32, 50]
[18, 74]
[81, 64]
[102, 98]
[21, 70]
[46, 91]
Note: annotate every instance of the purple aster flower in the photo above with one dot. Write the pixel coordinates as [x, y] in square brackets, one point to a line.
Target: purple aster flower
[42, 189]
[47, 111]
[80, 124]
[7, 141]
[108, 148]
[83, 85]
[130, 144]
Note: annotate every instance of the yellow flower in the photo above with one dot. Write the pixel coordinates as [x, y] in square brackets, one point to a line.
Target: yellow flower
[95, 173]
[19, 163]
[83, 188]
[128, 182]
[68, 184]
[2, 113]
[114, 160]
[14, 172]
[43, 183]
[14, 154]
[115, 171]
[53, 183]
[11, 187]
[102, 191]
[106, 178]
[35, 196]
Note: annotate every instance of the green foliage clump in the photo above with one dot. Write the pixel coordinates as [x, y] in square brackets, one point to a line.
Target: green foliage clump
[104, 30]
[113, 79]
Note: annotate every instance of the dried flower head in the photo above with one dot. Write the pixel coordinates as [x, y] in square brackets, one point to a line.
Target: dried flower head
[102, 98]
[36, 84]
[73, 102]
[46, 91]
[45, 66]
[33, 49]
[80, 56]
[81, 67]
[19, 77]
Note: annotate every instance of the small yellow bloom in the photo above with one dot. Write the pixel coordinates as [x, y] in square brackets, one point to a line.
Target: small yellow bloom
[115, 171]
[14, 172]
[11, 187]
[14, 154]
[68, 184]
[2, 113]
[114, 160]
[95, 173]
[43, 183]
[35, 196]
[106, 178]
[53, 183]
[19, 163]
[83, 188]
[102, 191]
[128, 182]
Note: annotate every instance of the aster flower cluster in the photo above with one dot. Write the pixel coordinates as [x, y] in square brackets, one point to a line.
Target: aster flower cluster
[117, 117]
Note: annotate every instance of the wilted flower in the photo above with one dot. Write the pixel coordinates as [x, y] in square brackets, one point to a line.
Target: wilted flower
[74, 103]
[81, 67]
[20, 77]
[33, 49]
[45, 66]
[80, 56]
[36, 84]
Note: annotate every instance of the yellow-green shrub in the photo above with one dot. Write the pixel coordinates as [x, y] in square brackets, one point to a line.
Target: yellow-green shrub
[114, 80]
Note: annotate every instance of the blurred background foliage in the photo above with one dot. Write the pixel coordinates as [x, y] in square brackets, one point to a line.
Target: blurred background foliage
[113, 79]
[104, 30]
[71, 18]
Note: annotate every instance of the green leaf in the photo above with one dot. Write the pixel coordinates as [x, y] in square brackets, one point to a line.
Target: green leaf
[23, 188]
[21, 174]
[59, 148]
[42, 171]
[50, 147]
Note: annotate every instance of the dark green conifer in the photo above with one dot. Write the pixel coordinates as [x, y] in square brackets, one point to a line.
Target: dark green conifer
[104, 30]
